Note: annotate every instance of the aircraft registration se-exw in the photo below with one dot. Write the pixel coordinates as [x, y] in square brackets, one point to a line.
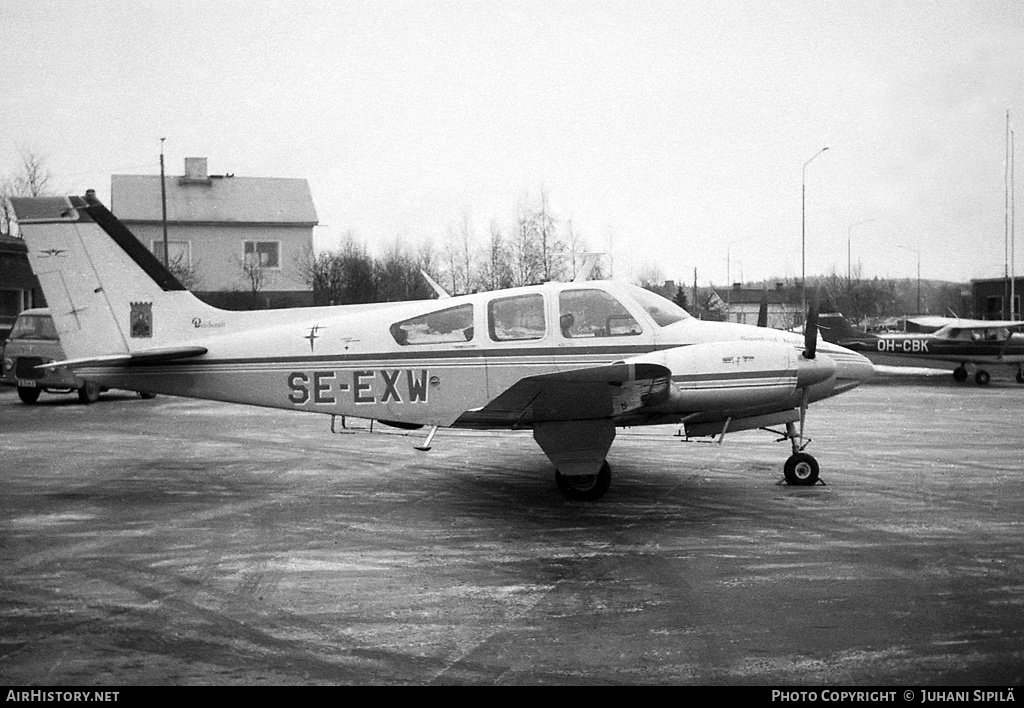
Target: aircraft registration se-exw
[569, 361]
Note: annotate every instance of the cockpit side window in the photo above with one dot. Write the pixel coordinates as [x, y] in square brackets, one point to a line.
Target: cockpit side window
[516, 318]
[663, 312]
[594, 313]
[454, 324]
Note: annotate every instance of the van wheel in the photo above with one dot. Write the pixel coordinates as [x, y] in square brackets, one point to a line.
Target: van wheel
[89, 393]
[28, 395]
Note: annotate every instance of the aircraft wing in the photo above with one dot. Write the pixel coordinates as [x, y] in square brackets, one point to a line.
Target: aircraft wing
[600, 392]
[982, 324]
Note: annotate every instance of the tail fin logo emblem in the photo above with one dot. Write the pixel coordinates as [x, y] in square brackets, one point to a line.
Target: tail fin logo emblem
[142, 319]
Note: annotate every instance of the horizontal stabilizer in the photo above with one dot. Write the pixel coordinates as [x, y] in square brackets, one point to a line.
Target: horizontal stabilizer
[148, 356]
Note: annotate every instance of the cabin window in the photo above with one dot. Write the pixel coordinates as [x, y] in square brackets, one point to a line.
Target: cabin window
[442, 327]
[264, 254]
[594, 313]
[516, 318]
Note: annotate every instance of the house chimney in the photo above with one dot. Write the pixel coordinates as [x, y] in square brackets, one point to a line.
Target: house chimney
[195, 168]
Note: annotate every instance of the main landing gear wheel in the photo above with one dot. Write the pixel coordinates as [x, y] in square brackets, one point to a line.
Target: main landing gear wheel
[1020, 376]
[960, 374]
[586, 488]
[981, 377]
[801, 469]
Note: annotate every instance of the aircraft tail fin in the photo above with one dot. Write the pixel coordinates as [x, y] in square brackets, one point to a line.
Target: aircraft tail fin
[107, 293]
[836, 329]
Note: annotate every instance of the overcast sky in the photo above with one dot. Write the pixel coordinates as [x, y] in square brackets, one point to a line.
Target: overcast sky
[673, 132]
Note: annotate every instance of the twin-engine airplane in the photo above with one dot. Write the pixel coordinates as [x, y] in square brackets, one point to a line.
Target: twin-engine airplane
[570, 361]
[977, 343]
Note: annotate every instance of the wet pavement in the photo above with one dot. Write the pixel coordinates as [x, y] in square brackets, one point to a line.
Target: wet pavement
[171, 541]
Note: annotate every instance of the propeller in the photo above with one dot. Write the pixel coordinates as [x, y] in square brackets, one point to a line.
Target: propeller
[811, 331]
[812, 371]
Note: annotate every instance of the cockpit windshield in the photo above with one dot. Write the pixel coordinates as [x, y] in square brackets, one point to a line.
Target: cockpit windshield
[663, 312]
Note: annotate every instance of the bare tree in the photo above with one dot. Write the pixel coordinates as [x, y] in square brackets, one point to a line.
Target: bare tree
[254, 274]
[525, 250]
[7, 224]
[495, 273]
[33, 179]
[186, 273]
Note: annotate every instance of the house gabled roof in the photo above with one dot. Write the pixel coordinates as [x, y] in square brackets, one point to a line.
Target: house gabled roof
[744, 296]
[215, 199]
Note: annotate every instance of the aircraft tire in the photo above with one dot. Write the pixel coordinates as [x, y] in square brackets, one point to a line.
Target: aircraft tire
[1020, 376]
[28, 395]
[960, 374]
[589, 488]
[801, 469]
[981, 377]
[89, 393]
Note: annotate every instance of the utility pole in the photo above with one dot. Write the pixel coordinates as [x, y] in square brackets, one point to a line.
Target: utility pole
[803, 232]
[163, 203]
[1014, 310]
[694, 301]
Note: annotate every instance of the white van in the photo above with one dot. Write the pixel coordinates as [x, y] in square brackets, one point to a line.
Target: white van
[33, 341]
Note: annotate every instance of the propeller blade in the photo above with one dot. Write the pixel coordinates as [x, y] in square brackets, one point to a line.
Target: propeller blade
[811, 332]
[762, 313]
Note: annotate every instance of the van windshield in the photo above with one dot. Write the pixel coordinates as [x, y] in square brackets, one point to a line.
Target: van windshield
[34, 327]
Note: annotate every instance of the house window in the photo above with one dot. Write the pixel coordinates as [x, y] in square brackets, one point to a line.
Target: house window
[178, 252]
[265, 253]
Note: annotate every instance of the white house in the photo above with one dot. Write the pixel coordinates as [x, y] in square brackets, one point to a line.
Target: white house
[243, 238]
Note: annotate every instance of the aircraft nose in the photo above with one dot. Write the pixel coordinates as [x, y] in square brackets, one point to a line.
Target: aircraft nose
[852, 369]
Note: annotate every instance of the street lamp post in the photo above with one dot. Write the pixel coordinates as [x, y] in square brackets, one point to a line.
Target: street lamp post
[849, 236]
[918, 252]
[803, 231]
[728, 270]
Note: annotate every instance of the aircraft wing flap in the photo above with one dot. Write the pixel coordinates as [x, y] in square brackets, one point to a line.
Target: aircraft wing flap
[149, 356]
[579, 394]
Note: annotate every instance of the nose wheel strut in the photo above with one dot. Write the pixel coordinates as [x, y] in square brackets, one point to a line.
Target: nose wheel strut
[801, 468]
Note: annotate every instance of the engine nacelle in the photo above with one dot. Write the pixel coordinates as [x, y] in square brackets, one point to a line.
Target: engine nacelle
[739, 375]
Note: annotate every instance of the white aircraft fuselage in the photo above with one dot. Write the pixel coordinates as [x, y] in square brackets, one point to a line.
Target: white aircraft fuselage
[570, 360]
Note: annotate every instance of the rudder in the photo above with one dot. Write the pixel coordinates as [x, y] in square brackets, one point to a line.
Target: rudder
[105, 290]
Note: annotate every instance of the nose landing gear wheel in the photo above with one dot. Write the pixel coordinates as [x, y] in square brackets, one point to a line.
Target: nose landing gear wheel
[585, 488]
[801, 469]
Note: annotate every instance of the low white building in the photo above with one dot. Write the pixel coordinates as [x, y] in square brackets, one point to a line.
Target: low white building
[242, 239]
